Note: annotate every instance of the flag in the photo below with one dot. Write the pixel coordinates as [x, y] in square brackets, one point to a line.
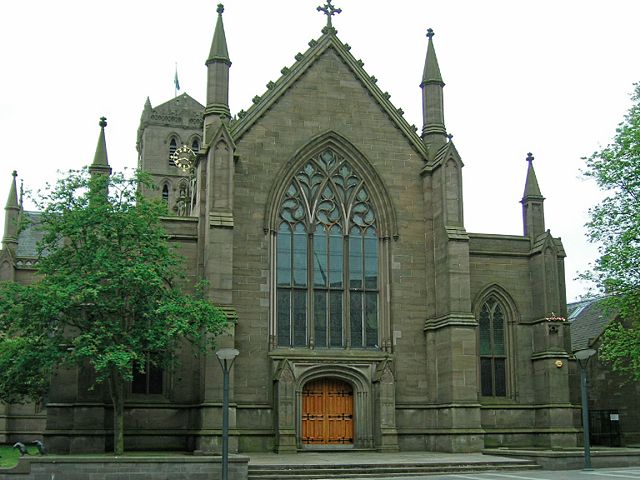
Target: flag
[175, 80]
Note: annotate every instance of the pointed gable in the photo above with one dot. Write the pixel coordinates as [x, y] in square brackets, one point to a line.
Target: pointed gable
[181, 111]
[304, 62]
[181, 103]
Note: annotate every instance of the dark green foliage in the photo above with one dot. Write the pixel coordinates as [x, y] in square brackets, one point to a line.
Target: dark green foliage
[106, 295]
[615, 226]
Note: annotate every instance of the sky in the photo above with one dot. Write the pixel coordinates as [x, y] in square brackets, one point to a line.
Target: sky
[549, 77]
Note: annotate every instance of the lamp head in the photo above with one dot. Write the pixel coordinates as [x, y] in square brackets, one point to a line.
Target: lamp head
[227, 353]
[584, 354]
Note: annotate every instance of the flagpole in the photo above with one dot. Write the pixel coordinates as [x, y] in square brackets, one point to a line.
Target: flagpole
[176, 83]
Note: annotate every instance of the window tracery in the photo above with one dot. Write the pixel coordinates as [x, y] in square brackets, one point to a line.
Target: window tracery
[327, 259]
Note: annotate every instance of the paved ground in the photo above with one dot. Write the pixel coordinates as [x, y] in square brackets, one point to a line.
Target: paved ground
[597, 474]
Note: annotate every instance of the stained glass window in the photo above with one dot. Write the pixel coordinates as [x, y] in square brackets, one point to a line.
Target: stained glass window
[493, 382]
[327, 259]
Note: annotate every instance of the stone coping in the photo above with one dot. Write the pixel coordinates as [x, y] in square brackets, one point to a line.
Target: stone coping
[569, 459]
[564, 452]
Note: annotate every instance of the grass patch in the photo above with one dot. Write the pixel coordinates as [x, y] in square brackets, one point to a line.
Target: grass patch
[9, 456]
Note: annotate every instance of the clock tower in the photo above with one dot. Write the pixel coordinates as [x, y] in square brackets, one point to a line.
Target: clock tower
[169, 139]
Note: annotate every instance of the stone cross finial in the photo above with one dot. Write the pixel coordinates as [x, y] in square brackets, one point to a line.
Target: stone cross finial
[450, 136]
[430, 33]
[15, 173]
[103, 122]
[329, 10]
[220, 9]
[530, 157]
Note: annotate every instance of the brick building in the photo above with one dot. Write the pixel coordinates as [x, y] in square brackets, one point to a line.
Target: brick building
[333, 231]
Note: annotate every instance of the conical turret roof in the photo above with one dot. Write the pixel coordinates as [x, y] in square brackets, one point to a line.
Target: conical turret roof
[100, 160]
[531, 187]
[219, 52]
[431, 72]
[12, 200]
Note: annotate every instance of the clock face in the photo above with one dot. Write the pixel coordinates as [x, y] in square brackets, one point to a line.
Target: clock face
[184, 158]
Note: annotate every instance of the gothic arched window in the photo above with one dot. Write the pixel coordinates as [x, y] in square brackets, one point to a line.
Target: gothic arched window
[493, 351]
[327, 259]
[195, 145]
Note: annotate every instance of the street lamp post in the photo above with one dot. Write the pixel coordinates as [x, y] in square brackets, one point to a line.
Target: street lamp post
[226, 356]
[583, 356]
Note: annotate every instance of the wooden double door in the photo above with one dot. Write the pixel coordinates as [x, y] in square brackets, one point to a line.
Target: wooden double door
[327, 413]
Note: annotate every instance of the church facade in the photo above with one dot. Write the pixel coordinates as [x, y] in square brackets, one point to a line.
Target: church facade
[332, 234]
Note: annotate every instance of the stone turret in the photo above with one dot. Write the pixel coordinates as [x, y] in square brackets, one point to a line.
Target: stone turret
[532, 204]
[11, 217]
[433, 132]
[218, 65]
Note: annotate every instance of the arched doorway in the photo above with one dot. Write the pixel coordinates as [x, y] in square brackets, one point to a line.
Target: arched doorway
[327, 412]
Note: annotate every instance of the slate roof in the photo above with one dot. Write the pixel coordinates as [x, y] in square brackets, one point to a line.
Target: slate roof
[588, 319]
[30, 235]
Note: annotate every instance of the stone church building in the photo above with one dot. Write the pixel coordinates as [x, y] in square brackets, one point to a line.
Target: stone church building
[332, 234]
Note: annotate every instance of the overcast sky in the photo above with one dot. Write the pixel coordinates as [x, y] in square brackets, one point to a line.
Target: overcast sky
[550, 77]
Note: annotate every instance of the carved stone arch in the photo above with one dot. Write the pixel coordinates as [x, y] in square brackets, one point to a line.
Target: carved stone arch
[7, 272]
[173, 135]
[362, 399]
[381, 200]
[165, 181]
[348, 374]
[502, 295]
[453, 157]
[166, 190]
[192, 138]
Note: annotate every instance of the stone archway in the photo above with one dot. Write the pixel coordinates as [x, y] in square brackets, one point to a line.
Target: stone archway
[327, 413]
[365, 389]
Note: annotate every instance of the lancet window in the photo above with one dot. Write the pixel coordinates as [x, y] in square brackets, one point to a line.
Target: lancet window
[327, 259]
[493, 357]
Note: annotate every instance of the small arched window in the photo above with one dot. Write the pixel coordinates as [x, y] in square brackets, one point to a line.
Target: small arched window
[173, 146]
[195, 145]
[165, 194]
[493, 350]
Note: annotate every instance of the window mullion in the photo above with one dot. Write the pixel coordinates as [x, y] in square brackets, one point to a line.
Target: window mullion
[311, 334]
[327, 288]
[363, 300]
[291, 289]
[346, 309]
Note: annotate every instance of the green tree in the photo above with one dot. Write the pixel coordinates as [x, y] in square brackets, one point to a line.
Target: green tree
[615, 227]
[106, 294]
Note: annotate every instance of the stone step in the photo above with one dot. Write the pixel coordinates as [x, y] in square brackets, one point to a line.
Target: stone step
[301, 472]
